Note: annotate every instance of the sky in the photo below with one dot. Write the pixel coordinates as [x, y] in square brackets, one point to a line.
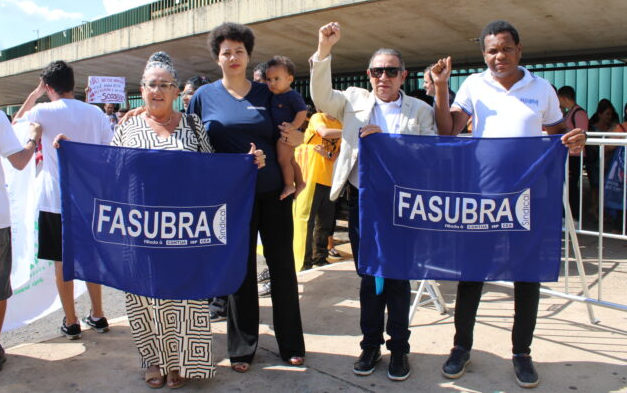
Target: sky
[23, 20]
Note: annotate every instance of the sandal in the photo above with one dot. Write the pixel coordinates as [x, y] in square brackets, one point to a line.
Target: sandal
[240, 367]
[153, 377]
[175, 380]
[296, 360]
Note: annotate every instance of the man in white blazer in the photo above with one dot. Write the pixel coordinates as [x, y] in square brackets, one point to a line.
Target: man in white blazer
[384, 109]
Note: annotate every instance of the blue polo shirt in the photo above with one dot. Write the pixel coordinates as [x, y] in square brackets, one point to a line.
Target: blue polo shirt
[232, 124]
[285, 106]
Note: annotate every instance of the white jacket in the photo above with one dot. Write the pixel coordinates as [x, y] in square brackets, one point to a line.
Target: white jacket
[354, 107]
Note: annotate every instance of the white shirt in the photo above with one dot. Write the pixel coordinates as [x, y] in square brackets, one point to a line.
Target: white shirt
[9, 145]
[386, 115]
[520, 111]
[80, 122]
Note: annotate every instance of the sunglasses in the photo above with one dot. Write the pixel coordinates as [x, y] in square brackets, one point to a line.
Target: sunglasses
[391, 72]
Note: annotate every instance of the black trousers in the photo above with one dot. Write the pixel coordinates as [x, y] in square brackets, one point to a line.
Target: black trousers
[396, 296]
[319, 226]
[273, 219]
[526, 299]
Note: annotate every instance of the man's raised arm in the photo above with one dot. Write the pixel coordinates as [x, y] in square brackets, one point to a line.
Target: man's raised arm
[324, 97]
[449, 121]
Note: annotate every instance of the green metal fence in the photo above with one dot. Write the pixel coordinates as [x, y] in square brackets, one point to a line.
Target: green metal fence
[145, 13]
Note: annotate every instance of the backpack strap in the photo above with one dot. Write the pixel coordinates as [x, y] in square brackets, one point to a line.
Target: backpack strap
[572, 116]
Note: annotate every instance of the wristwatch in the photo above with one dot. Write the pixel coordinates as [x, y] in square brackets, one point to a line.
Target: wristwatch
[32, 140]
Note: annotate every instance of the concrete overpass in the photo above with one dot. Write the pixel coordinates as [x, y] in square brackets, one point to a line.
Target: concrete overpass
[556, 30]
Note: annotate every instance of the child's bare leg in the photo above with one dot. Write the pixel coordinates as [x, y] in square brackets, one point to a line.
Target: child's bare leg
[298, 177]
[285, 154]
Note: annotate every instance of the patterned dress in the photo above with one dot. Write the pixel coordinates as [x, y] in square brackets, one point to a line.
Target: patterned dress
[171, 334]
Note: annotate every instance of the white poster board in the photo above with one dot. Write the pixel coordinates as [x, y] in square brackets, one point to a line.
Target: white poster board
[106, 90]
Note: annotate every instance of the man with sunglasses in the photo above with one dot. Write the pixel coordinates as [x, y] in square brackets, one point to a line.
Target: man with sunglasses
[384, 109]
[505, 101]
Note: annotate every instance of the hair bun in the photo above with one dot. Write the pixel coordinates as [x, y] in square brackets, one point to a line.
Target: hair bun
[161, 57]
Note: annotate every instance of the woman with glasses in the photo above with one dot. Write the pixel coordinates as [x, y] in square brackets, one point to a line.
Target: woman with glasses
[234, 111]
[174, 343]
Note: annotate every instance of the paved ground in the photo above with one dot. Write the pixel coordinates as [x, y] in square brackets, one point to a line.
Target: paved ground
[570, 353]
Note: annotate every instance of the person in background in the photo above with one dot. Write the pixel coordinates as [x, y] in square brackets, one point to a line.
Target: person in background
[576, 117]
[81, 122]
[605, 119]
[19, 156]
[109, 110]
[622, 127]
[235, 112]
[314, 212]
[121, 113]
[259, 72]
[190, 88]
[429, 86]
[288, 109]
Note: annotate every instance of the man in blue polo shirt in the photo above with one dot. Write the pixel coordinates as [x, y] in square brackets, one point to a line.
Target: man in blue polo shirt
[504, 101]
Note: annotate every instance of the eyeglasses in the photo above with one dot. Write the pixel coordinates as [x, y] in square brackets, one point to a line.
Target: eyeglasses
[391, 72]
[158, 86]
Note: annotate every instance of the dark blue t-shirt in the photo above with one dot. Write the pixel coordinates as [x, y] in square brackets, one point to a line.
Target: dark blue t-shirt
[232, 124]
[285, 106]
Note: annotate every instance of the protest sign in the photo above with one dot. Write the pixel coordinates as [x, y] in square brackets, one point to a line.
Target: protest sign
[157, 223]
[106, 90]
[473, 209]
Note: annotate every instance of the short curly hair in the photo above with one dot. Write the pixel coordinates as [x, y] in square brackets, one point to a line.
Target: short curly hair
[59, 75]
[496, 27]
[234, 32]
[282, 61]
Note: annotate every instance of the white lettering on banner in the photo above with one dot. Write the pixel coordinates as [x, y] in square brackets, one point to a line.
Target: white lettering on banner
[159, 226]
[458, 211]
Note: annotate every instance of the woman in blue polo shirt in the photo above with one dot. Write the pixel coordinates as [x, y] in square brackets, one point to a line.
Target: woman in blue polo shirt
[235, 113]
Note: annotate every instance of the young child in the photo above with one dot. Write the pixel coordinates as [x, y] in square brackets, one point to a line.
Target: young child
[287, 108]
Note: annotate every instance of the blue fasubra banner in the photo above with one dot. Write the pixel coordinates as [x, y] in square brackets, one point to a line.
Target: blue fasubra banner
[163, 224]
[471, 209]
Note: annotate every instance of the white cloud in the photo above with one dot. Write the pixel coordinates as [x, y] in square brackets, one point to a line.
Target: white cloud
[31, 8]
[116, 6]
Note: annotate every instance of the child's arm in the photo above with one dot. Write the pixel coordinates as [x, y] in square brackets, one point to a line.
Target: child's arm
[329, 133]
[299, 119]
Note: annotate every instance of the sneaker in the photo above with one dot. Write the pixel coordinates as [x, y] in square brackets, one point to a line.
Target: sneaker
[334, 255]
[101, 325]
[263, 276]
[3, 357]
[367, 361]
[526, 374]
[455, 365]
[265, 290]
[72, 332]
[216, 316]
[399, 367]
